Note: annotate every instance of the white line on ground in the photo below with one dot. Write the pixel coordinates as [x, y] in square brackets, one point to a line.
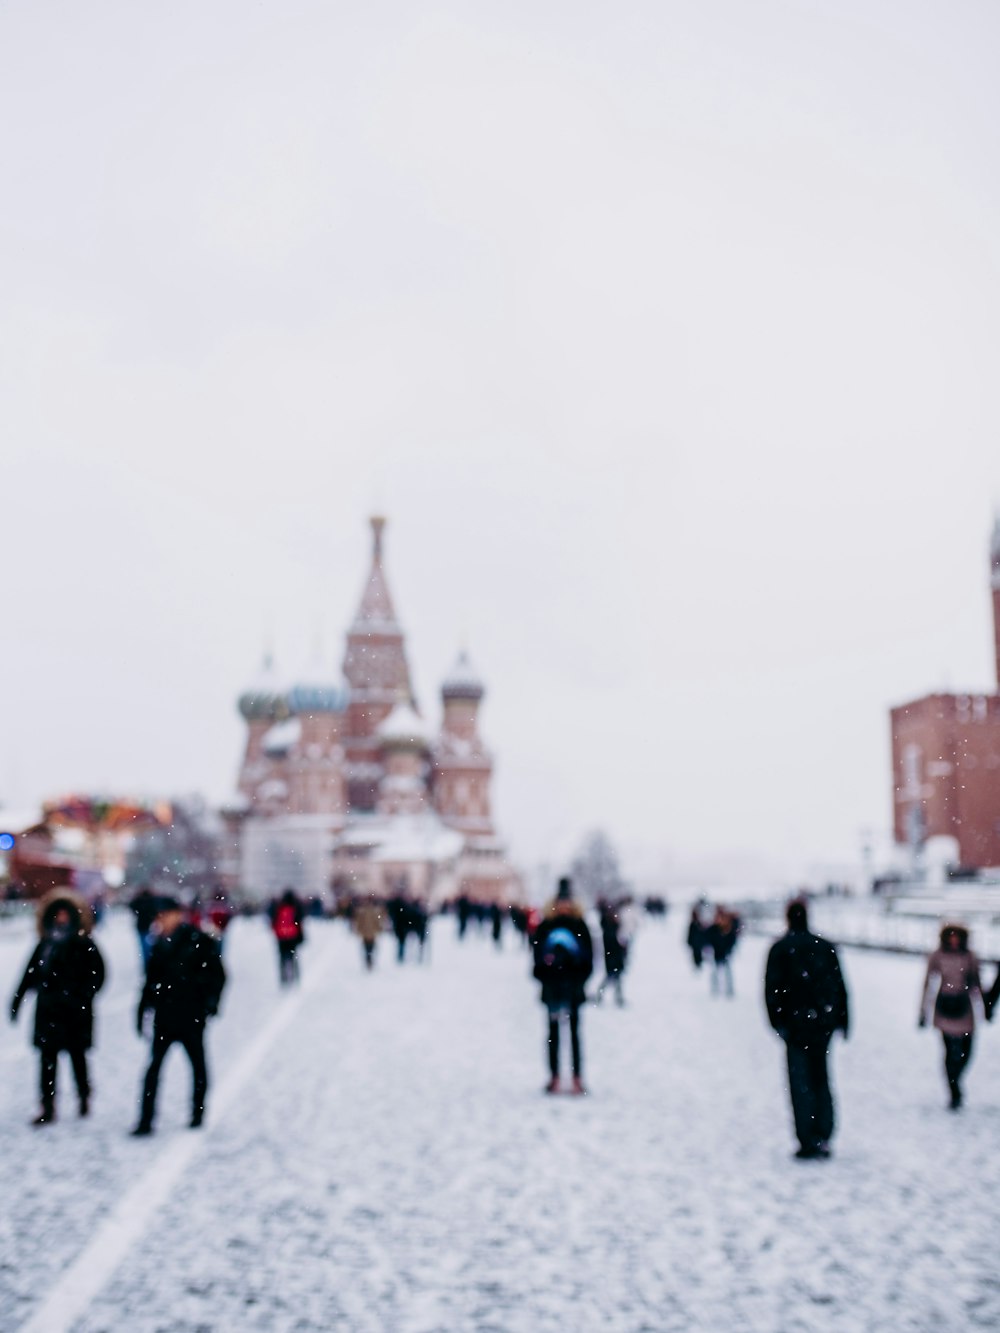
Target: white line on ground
[99, 1259]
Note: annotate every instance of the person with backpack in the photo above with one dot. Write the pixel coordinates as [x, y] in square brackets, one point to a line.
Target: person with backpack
[806, 1004]
[184, 983]
[65, 971]
[286, 922]
[564, 959]
[952, 980]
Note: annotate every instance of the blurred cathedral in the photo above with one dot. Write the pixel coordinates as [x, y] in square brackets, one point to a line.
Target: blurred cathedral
[345, 788]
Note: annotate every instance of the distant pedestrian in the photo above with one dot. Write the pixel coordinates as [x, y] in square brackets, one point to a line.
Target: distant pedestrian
[398, 908]
[952, 984]
[496, 924]
[368, 922]
[184, 983]
[564, 959]
[806, 1004]
[419, 917]
[144, 907]
[615, 954]
[287, 915]
[463, 910]
[722, 935]
[65, 971]
[220, 916]
[696, 938]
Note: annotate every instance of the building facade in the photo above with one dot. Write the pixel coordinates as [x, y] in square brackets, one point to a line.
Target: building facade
[946, 761]
[344, 787]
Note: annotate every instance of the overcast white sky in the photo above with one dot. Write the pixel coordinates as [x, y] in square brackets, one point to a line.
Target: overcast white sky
[666, 335]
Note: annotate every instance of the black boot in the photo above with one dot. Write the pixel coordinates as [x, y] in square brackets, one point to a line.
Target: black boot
[46, 1115]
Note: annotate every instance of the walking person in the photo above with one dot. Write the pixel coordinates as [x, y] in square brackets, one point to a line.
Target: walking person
[65, 971]
[722, 935]
[496, 924]
[806, 1004]
[615, 954]
[952, 983]
[287, 916]
[184, 983]
[696, 938]
[564, 959]
[368, 923]
[144, 907]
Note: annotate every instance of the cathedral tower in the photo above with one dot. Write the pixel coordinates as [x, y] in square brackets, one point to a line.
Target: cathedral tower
[463, 766]
[377, 676]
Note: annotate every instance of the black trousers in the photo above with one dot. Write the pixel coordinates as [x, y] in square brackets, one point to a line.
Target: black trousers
[193, 1041]
[809, 1085]
[288, 963]
[957, 1054]
[48, 1071]
[369, 948]
[573, 1013]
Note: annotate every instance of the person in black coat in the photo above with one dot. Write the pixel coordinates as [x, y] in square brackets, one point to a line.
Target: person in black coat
[564, 959]
[66, 971]
[615, 953]
[806, 1004]
[184, 983]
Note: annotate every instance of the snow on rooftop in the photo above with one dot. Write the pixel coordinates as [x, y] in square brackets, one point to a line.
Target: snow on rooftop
[463, 680]
[403, 726]
[283, 736]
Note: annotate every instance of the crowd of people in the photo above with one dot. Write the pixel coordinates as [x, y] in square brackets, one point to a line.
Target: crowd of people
[183, 978]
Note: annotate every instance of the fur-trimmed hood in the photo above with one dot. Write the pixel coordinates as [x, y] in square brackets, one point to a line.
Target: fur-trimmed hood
[953, 928]
[77, 907]
[563, 907]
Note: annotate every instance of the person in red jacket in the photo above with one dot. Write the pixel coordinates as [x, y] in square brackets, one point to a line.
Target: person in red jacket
[286, 922]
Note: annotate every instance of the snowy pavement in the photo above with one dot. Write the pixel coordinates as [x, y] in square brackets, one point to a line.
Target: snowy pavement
[379, 1156]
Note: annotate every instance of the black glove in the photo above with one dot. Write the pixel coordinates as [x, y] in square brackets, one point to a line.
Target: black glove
[14, 1006]
[140, 1019]
[922, 1021]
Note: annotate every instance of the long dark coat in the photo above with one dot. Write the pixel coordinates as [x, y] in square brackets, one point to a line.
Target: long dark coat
[184, 980]
[804, 990]
[65, 974]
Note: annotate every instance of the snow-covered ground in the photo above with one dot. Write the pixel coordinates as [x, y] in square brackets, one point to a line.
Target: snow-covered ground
[379, 1156]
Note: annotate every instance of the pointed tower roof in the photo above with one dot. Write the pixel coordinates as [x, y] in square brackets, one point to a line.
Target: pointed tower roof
[375, 661]
[376, 613]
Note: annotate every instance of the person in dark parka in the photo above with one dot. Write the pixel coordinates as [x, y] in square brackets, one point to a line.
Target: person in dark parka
[564, 959]
[696, 938]
[184, 982]
[66, 971]
[806, 1004]
[615, 953]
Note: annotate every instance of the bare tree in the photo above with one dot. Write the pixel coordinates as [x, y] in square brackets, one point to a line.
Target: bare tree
[595, 870]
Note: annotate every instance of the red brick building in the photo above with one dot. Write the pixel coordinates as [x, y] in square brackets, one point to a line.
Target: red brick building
[946, 762]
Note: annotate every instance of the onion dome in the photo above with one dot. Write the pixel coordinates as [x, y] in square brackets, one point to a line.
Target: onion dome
[313, 697]
[403, 730]
[264, 698]
[463, 681]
